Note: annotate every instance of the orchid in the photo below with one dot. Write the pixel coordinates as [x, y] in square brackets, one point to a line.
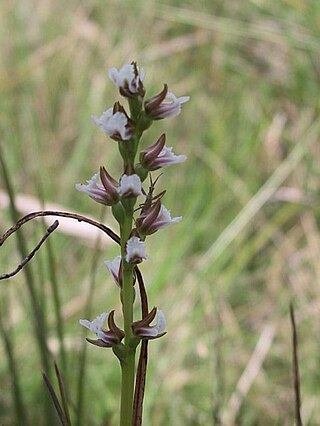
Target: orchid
[130, 186]
[164, 105]
[114, 268]
[143, 329]
[106, 337]
[158, 155]
[103, 194]
[136, 250]
[128, 79]
[136, 223]
[114, 124]
[156, 217]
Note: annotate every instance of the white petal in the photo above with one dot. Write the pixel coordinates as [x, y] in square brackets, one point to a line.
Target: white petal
[85, 323]
[113, 72]
[135, 249]
[96, 325]
[161, 321]
[130, 184]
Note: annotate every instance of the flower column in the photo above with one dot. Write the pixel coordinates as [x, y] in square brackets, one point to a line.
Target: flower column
[122, 196]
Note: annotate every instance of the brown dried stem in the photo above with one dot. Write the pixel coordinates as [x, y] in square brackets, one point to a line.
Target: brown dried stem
[143, 359]
[27, 259]
[75, 216]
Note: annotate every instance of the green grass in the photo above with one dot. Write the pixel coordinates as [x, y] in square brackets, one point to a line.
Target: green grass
[249, 194]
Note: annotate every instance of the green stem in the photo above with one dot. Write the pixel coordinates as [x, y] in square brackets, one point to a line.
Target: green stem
[127, 388]
[128, 363]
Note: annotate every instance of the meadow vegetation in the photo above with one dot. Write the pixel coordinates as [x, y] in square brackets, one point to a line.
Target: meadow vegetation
[249, 242]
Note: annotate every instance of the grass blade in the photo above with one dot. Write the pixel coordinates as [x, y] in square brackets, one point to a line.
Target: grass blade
[295, 368]
[55, 401]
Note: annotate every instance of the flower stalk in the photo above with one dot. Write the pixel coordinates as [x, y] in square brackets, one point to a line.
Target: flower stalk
[136, 222]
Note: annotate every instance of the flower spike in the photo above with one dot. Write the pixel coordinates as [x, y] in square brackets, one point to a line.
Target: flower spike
[106, 338]
[143, 329]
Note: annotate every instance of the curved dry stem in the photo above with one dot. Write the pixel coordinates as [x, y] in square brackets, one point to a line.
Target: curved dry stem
[27, 259]
[75, 216]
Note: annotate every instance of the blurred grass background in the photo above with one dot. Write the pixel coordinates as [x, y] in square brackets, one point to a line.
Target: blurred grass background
[249, 193]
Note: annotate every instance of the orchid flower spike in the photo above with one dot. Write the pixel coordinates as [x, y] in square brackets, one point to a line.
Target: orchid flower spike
[164, 105]
[158, 155]
[143, 329]
[136, 250]
[128, 80]
[114, 122]
[107, 338]
[104, 194]
[154, 218]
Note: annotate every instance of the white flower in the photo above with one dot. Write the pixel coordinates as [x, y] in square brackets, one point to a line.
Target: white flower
[96, 325]
[136, 250]
[128, 79]
[114, 268]
[130, 186]
[107, 337]
[143, 329]
[164, 218]
[115, 125]
[167, 157]
[171, 106]
[156, 217]
[96, 191]
[161, 324]
[158, 155]
[164, 105]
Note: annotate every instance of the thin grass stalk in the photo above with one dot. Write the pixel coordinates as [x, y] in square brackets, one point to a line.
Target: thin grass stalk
[57, 304]
[55, 400]
[218, 388]
[17, 394]
[83, 353]
[55, 292]
[63, 394]
[39, 324]
[295, 368]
